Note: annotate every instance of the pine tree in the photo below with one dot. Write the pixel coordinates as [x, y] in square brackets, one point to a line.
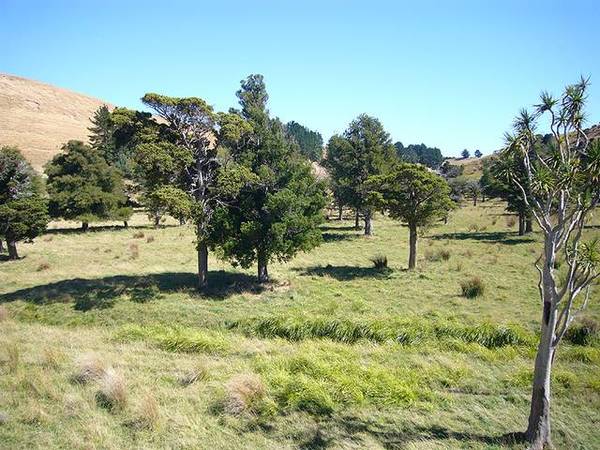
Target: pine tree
[23, 210]
[82, 186]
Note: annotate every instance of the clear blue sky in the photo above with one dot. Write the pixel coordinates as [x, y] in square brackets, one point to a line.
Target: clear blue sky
[451, 74]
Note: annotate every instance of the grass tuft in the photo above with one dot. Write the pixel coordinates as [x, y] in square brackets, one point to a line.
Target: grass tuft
[472, 288]
[89, 367]
[583, 332]
[244, 394]
[112, 393]
[380, 262]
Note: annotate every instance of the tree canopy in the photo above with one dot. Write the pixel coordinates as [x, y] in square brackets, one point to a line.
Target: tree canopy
[420, 153]
[310, 142]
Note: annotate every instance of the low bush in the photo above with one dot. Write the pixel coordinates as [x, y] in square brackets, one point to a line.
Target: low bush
[583, 332]
[473, 287]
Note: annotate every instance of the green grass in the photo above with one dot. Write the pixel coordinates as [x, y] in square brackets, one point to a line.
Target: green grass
[349, 356]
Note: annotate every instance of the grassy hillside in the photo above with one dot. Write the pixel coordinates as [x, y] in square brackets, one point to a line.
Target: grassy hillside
[39, 118]
[105, 344]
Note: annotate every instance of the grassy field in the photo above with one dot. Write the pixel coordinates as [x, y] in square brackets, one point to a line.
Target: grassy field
[105, 344]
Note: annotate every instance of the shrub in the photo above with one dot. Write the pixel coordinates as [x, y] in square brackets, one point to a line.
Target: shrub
[89, 368]
[43, 266]
[244, 393]
[112, 393]
[138, 235]
[584, 332]
[150, 239]
[380, 262]
[134, 251]
[473, 287]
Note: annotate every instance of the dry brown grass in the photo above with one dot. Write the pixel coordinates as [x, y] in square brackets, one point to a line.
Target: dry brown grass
[112, 393]
[244, 391]
[197, 373]
[13, 354]
[4, 314]
[43, 266]
[52, 358]
[39, 118]
[150, 239]
[134, 251]
[138, 235]
[89, 368]
[147, 413]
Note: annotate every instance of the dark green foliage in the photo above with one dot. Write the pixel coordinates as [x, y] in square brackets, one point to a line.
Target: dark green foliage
[420, 153]
[451, 170]
[473, 287]
[276, 211]
[23, 210]
[82, 186]
[465, 154]
[310, 142]
[583, 332]
[478, 153]
[380, 262]
[364, 150]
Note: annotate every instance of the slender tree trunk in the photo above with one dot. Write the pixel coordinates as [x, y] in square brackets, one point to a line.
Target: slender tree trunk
[368, 222]
[263, 271]
[340, 212]
[356, 220]
[85, 226]
[474, 200]
[202, 264]
[125, 224]
[538, 430]
[521, 224]
[1, 246]
[528, 225]
[412, 246]
[156, 220]
[12, 249]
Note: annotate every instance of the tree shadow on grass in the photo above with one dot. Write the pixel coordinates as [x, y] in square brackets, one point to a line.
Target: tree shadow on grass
[101, 293]
[499, 237]
[342, 228]
[345, 273]
[337, 237]
[99, 228]
[393, 437]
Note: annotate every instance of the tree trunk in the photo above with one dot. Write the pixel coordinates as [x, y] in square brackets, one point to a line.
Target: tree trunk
[521, 224]
[1, 246]
[85, 226]
[356, 220]
[12, 249]
[538, 430]
[340, 212]
[263, 271]
[156, 221]
[202, 265]
[125, 224]
[181, 221]
[412, 243]
[368, 223]
[528, 225]
[474, 200]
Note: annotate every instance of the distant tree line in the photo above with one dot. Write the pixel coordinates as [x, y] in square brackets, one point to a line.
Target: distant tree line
[420, 153]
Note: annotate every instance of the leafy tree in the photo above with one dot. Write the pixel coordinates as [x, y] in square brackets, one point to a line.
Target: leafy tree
[420, 153]
[102, 132]
[276, 212]
[562, 189]
[465, 154]
[364, 150]
[310, 142]
[413, 195]
[478, 153]
[82, 186]
[23, 210]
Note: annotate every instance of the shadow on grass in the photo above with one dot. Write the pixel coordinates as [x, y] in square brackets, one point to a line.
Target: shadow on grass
[337, 237]
[391, 436]
[101, 293]
[342, 228]
[99, 228]
[345, 273]
[499, 237]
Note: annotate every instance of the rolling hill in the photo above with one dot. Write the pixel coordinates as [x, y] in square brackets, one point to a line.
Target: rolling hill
[39, 118]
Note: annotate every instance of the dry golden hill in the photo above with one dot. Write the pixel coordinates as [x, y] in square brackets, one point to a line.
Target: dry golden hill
[39, 118]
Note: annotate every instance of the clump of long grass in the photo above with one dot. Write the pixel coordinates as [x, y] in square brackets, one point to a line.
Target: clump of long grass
[89, 367]
[472, 287]
[43, 266]
[112, 393]
[437, 255]
[583, 332]
[197, 373]
[486, 334]
[52, 358]
[150, 239]
[13, 354]
[380, 262]
[244, 393]
[147, 414]
[138, 235]
[4, 315]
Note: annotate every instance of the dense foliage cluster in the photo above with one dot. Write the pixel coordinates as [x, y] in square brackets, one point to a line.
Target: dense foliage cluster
[310, 142]
[420, 153]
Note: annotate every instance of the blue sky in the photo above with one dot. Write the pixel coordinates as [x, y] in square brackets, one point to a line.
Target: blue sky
[451, 74]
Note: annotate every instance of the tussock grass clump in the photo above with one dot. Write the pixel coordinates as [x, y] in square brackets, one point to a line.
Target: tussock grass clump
[193, 375]
[177, 339]
[134, 251]
[112, 393]
[437, 255]
[150, 239]
[4, 314]
[472, 288]
[583, 332]
[245, 393]
[380, 262]
[13, 354]
[43, 266]
[52, 358]
[89, 367]
[147, 414]
[138, 235]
